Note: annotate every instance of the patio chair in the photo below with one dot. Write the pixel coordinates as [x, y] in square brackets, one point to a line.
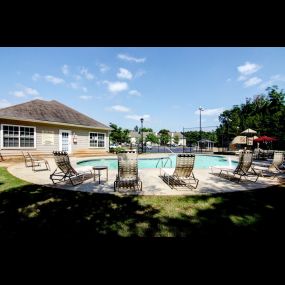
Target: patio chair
[242, 169]
[183, 173]
[37, 161]
[27, 158]
[65, 170]
[273, 168]
[127, 176]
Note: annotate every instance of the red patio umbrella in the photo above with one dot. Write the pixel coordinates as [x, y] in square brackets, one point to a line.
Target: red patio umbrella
[265, 139]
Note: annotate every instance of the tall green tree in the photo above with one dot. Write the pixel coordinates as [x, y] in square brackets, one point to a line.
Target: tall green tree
[264, 113]
[152, 138]
[146, 130]
[119, 135]
[164, 136]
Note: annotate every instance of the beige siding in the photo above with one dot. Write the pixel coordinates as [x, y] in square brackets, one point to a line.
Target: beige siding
[82, 134]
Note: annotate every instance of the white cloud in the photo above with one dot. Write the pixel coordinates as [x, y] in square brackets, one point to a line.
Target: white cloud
[4, 103]
[140, 73]
[31, 91]
[65, 69]
[103, 68]
[77, 86]
[84, 71]
[74, 85]
[115, 87]
[135, 93]
[138, 117]
[278, 77]
[252, 81]
[242, 78]
[36, 77]
[25, 91]
[54, 80]
[85, 97]
[130, 58]
[124, 74]
[18, 94]
[273, 79]
[248, 68]
[119, 108]
[210, 112]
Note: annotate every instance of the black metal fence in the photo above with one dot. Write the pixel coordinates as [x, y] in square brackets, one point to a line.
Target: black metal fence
[168, 149]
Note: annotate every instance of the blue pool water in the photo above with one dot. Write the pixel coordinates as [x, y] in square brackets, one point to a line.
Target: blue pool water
[201, 162]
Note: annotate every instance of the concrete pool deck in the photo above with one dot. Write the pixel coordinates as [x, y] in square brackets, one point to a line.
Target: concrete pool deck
[152, 183]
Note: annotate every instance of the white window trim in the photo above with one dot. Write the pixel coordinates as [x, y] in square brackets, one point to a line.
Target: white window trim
[105, 135]
[35, 137]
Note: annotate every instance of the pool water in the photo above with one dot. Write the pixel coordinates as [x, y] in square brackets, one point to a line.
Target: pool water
[201, 162]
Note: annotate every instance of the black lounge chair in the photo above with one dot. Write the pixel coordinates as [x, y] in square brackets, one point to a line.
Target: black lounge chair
[65, 171]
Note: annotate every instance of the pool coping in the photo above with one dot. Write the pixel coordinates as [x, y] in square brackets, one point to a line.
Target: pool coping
[152, 182]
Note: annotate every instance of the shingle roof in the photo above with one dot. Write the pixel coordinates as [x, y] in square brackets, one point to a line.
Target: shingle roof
[49, 111]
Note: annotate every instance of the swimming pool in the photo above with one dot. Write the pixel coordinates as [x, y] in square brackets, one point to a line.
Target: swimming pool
[201, 162]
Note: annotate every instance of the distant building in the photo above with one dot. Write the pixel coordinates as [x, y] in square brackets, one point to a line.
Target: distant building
[135, 137]
[181, 141]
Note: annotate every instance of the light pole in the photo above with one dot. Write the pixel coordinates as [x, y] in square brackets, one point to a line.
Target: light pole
[142, 132]
[200, 109]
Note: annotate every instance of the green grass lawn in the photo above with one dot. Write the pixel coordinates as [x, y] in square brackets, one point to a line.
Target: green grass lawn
[31, 210]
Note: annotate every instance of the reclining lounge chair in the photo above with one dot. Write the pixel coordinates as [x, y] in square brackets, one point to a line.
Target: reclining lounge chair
[242, 169]
[65, 171]
[273, 168]
[183, 173]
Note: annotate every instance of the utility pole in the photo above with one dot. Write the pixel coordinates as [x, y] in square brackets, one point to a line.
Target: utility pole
[200, 109]
[142, 132]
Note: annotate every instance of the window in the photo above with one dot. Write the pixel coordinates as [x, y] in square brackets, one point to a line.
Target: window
[18, 136]
[97, 139]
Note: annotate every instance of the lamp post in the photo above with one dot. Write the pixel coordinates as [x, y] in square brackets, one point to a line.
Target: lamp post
[200, 109]
[142, 133]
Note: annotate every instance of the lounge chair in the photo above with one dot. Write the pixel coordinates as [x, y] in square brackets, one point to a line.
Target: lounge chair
[65, 171]
[183, 173]
[273, 168]
[127, 176]
[28, 160]
[37, 161]
[242, 169]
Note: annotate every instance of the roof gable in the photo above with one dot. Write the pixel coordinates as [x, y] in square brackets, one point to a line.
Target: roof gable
[49, 111]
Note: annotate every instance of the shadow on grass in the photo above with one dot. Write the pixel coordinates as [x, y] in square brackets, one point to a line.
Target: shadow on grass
[37, 211]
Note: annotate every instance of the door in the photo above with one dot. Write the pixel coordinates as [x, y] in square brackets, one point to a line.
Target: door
[65, 140]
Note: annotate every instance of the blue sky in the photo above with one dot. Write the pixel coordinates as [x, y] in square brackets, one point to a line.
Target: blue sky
[166, 86]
